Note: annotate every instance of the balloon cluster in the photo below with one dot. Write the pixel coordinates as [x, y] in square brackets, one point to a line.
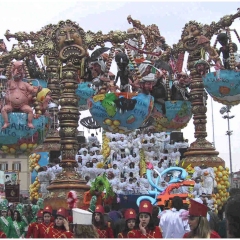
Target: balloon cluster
[105, 149]
[113, 125]
[33, 190]
[33, 162]
[222, 179]
[23, 145]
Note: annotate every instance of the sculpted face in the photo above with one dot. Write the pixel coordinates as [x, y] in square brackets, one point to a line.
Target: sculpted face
[68, 35]
[69, 40]
[147, 86]
[96, 67]
[190, 36]
[183, 80]
[201, 68]
[17, 71]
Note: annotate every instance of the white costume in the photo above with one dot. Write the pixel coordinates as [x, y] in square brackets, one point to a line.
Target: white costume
[175, 157]
[208, 180]
[172, 225]
[93, 139]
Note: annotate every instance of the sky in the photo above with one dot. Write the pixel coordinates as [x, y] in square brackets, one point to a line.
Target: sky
[169, 16]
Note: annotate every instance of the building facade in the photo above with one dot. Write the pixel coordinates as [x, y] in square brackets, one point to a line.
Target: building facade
[17, 164]
[236, 179]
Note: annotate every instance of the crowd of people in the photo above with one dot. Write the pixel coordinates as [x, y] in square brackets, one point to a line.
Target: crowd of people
[148, 221]
[122, 165]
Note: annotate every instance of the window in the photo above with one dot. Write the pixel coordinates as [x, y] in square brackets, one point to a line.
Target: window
[3, 166]
[16, 166]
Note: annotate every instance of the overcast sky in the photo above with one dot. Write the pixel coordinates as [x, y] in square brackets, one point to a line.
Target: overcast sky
[112, 15]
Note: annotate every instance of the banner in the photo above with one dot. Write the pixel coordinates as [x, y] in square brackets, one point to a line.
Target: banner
[11, 178]
[12, 193]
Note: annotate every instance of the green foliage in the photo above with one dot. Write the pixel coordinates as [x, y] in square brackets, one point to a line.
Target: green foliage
[100, 184]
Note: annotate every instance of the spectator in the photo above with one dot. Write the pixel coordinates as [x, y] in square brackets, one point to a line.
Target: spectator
[233, 216]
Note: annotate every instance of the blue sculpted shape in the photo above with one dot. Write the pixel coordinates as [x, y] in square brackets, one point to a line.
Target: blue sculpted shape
[152, 200]
[223, 86]
[182, 176]
[84, 92]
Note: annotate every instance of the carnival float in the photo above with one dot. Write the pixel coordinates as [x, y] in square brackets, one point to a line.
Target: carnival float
[40, 106]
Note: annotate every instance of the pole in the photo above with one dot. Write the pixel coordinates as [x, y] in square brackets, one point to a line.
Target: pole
[213, 124]
[230, 152]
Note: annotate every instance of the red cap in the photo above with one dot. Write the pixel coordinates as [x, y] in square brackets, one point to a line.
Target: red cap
[47, 209]
[145, 207]
[130, 214]
[197, 209]
[99, 209]
[62, 212]
[40, 214]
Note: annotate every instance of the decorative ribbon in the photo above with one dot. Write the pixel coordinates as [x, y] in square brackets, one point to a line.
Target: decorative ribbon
[5, 220]
[15, 224]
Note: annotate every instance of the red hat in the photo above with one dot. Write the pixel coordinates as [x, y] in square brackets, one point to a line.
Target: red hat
[145, 206]
[99, 209]
[47, 209]
[197, 209]
[62, 212]
[130, 214]
[40, 214]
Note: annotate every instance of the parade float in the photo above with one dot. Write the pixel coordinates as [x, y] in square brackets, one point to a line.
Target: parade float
[119, 109]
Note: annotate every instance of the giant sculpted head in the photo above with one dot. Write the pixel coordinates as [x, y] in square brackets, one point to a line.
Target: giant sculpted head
[69, 39]
[191, 32]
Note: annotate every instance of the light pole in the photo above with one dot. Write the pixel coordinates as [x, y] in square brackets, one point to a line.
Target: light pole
[226, 110]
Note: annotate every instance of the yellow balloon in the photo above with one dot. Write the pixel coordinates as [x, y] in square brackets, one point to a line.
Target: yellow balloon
[30, 146]
[219, 186]
[225, 178]
[12, 150]
[116, 122]
[4, 148]
[220, 168]
[219, 174]
[23, 146]
[108, 121]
